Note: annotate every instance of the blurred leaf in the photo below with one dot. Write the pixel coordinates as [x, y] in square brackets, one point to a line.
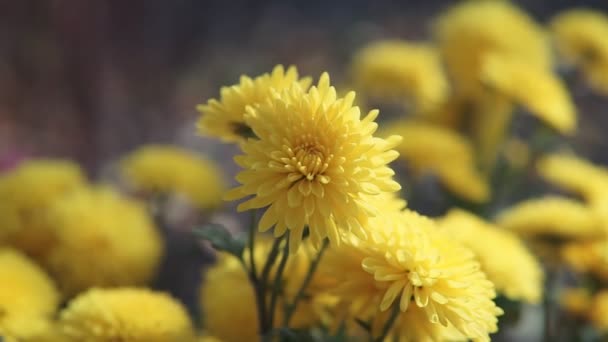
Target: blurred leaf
[221, 239]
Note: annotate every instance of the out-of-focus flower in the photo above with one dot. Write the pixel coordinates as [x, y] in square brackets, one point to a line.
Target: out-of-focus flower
[552, 216]
[587, 257]
[580, 36]
[536, 89]
[599, 311]
[431, 148]
[169, 169]
[224, 118]
[408, 262]
[101, 239]
[502, 255]
[576, 301]
[313, 161]
[471, 30]
[28, 297]
[126, 315]
[25, 194]
[401, 70]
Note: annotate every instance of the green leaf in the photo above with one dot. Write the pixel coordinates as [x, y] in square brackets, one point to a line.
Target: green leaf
[221, 239]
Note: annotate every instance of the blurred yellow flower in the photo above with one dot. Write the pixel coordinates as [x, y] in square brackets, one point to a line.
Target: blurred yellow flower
[538, 90]
[580, 36]
[587, 257]
[101, 239]
[313, 161]
[408, 262]
[576, 301]
[401, 70]
[471, 30]
[599, 311]
[25, 194]
[169, 169]
[126, 315]
[502, 255]
[224, 118]
[430, 148]
[552, 216]
[28, 297]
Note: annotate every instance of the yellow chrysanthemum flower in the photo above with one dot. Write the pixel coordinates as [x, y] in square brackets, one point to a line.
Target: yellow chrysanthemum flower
[225, 118]
[538, 90]
[169, 169]
[552, 216]
[25, 194]
[580, 36]
[599, 311]
[408, 262]
[28, 297]
[101, 239]
[431, 148]
[471, 30]
[126, 315]
[313, 161]
[587, 257]
[502, 255]
[228, 300]
[401, 70]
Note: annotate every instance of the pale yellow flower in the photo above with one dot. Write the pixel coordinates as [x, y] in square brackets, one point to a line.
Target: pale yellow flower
[580, 36]
[552, 216]
[538, 90]
[313, 161]
[25, 194]
[599, 311]
[503, 256]
[126, 315]
[101, 239]
[401, 70]
[443, 152]
[169, 169]
[224, 118]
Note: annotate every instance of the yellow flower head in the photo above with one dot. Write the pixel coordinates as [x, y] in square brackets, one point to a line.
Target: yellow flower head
[28, 297]
[471, 30]
[126, 315]
[538, 90]
[25, 194]
[313, 161]
[587, 257]
[599, 311]
[398, 69]
[224, 118]
[502, 255]
[407, 262]
[580, 36]
[552, 216]
[168, 169]
[431, 148]
[101, 239]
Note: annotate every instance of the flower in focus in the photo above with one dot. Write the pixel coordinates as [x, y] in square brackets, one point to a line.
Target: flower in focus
[396, 69]
[538, 90]
[126, 315]
[313, 161]
[502, 255]
[101, 239]
[431, 148]
[224, 118]
[28, 297]
[168, 169]
[587, 257]
[471, 30]
[408, 262]
[552, 216]
[598, 314]
[25, 194]
[580, 36]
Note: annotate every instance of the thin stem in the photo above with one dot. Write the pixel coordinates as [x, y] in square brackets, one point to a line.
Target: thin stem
[389, 323]
[253, 274]
[252, 229]
[262, 283]
[278, 278]
[548, 303]
[291, 308]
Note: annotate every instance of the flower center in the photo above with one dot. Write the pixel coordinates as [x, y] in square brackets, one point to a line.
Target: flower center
[311, 157]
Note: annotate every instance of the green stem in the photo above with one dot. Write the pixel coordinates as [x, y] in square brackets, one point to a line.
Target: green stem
[291, 308]
[253, 274]
[389, 323]
[262, 283]
[278, 278]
